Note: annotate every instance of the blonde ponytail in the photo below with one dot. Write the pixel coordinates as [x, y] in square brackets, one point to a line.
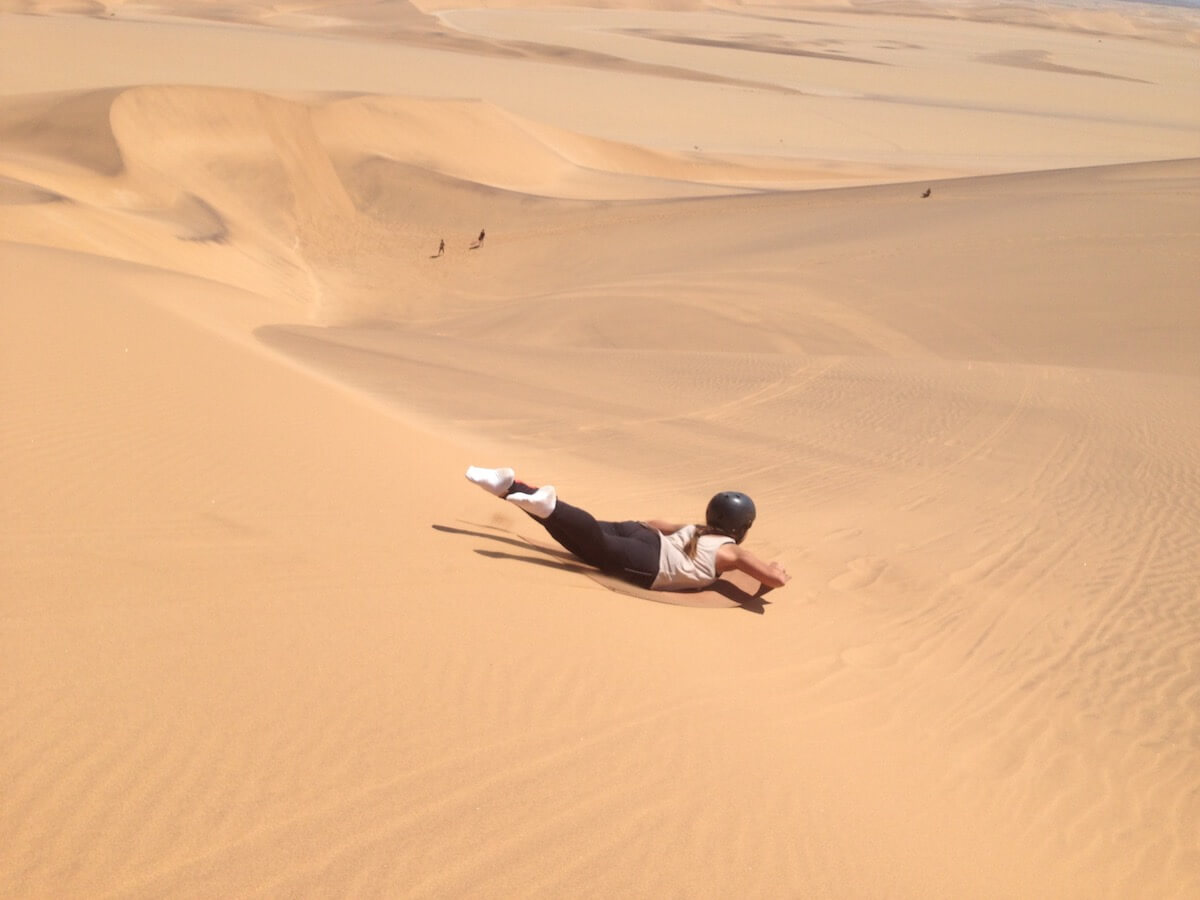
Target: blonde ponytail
[689, 549]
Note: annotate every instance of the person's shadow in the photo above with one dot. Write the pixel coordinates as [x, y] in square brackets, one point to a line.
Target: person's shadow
[555, 558]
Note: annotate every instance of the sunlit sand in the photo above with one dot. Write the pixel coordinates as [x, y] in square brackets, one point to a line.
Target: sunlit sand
[919, 278]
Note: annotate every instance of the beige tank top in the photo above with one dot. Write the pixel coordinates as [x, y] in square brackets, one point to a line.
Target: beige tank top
[679, 572]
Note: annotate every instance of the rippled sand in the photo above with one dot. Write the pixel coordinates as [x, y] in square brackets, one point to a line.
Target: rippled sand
[259, 637]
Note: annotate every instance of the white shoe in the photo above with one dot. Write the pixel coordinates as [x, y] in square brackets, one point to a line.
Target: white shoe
[540, 503]
[494, 481]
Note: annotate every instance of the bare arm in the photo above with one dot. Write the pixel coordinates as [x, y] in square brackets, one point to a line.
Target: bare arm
[733, 556]
[663, 527]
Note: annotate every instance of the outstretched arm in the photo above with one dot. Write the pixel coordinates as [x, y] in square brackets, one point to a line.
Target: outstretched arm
[733, 556]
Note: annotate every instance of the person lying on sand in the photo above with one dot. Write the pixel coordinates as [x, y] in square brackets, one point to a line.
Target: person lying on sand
[658, 555]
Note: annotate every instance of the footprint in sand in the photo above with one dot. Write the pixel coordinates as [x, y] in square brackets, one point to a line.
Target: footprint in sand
[860, 573]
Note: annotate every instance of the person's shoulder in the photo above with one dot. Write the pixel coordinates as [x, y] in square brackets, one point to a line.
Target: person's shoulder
[728, 554]
[682, 534]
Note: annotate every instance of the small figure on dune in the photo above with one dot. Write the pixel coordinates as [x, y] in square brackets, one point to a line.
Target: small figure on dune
[928, 191]
[441, 247]
[658, 555]
[478, 241]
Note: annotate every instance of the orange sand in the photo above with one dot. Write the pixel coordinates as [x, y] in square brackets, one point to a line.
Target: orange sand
[259, 637]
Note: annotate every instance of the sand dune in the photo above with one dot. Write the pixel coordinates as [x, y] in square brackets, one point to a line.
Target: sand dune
[258, 636]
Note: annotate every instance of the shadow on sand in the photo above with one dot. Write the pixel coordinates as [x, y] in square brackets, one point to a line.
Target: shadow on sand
[556, 558]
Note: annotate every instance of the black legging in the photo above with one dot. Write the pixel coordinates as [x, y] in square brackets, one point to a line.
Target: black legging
[628, 550]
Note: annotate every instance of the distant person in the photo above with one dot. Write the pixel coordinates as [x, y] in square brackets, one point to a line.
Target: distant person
[482, 235]
[441, 247]
[659, 555]
[928, 191]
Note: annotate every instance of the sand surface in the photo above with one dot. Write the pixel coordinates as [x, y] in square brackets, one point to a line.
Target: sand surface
[258, 637]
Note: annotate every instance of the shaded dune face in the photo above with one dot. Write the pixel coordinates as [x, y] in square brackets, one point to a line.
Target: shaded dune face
[345, 183]
[329, 201]
[72, 127]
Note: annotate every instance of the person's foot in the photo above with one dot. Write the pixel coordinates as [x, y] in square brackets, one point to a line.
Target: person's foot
[494, 481]
[540, 503]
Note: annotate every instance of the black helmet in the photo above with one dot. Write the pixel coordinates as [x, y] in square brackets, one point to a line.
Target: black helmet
[731, 513]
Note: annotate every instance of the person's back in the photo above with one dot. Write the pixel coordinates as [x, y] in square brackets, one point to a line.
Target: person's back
[678, 571]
